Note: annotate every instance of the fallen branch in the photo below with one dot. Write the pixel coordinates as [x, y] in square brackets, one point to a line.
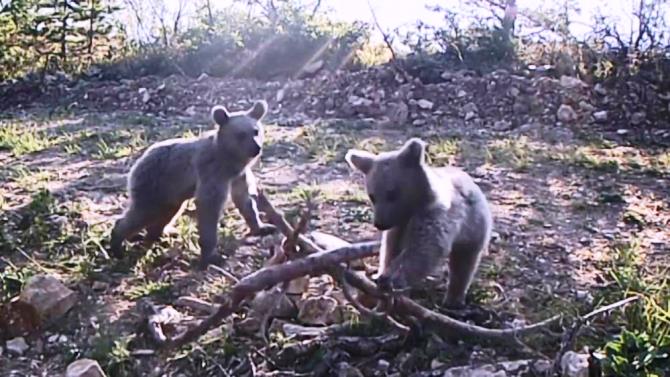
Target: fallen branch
[570, 335]
[402, 305]
[314, 264]
[319, 262]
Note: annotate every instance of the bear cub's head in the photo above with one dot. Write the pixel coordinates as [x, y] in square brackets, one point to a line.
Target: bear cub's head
[241, 133]
[396, 181]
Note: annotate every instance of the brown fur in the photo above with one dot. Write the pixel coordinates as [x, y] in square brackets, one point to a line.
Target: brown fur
[205, 168]
[425, 214]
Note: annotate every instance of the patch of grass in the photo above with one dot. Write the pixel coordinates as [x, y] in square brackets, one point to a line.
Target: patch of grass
[660, 163]
[514, 153]
[642, 348]
[23, 139]
[13, 278]
[113, 353]
[442, 152]
[117, 145]
[324, 145]
[148, 288]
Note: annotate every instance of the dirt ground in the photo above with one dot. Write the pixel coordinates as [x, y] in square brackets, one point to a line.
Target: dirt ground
[562, 210]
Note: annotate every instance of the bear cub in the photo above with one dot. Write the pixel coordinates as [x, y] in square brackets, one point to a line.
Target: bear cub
[206, 168]
[425, 214]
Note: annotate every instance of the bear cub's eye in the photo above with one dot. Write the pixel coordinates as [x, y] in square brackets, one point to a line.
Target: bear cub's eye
[255, 132]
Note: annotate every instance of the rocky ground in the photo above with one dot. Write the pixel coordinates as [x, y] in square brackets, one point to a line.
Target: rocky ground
[577, 176]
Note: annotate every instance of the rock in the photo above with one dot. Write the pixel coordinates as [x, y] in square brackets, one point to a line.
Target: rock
[621, 131]
[586, 106]
[17, 346]
[425, 104]
[638, 118]
[145, 94]
[461, 93]
[84, 368]
[502, 125]
[191, 111]
[574, 365]
[514, 92]
[418, 122]
[470, 108]
[203, 76]
[600, 89]
[570, 82]
[50, 298]
[359, 101]
[280, 95]
[566, 113]
[313, 67]
[470, 115]
[505, 369]
[600, 116]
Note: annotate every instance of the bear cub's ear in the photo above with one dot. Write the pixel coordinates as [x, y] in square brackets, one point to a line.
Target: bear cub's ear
[220, 115]
[413, 152]
[258, 110]
[360, 160]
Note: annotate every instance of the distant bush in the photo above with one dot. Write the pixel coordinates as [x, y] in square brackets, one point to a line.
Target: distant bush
[238, 43]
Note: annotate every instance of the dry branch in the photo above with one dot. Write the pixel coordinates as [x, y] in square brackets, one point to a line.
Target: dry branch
[314, 264]
[403, 305]
[319, 262]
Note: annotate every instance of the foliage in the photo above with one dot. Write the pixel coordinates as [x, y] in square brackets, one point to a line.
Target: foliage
[643, 346]
[53, 34]
[275, 41]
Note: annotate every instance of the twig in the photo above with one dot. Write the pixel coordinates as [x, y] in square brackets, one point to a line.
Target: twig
[389, 45]
[570, 335]
[224, 273]
[403, 305]
[270, 276]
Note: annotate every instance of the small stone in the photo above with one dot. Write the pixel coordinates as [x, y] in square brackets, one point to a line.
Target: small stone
[17, 346]
[584, 296]
[280, 95]
[50, 298]
[313, 67]
[191, 111]
[383, 365]
[470, 115]
[419, 122]
[470, 108]
[425, 104]
[600, 89]
[570, 82]
[145, 94]
[203, 76]
[621, 131]
[99, 286]
[566, 113]
[586, 106]
[160, 87]
[84, 368]
[514, 92]
[502, 125]
[600, 116]
[574, 365]
[638, 118]
[461, 93]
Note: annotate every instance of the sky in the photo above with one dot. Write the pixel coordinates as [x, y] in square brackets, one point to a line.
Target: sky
[398, 13]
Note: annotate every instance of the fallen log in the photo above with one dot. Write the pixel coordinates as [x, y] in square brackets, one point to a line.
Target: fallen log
[319, 262]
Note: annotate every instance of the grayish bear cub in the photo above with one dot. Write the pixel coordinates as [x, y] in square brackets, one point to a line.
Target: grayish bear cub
[207, 168]
[426, 214]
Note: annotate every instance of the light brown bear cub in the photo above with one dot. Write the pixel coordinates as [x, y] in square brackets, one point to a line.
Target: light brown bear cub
[426, 214]
[207, 168]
